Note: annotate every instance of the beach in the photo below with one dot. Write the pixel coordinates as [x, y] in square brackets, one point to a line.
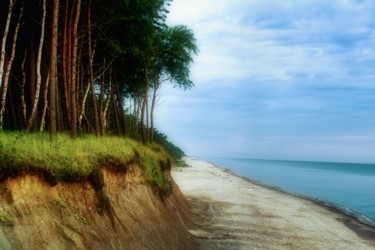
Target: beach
[230, 212]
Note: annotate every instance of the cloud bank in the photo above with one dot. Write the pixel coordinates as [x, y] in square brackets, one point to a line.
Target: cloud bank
[299, 71]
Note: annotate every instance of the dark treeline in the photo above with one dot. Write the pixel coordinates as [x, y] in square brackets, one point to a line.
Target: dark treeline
[88, 66]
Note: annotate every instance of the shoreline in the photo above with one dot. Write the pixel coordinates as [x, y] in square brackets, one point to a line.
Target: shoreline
[325, 203]
[235, 212]
[347, 211]
[364, 228]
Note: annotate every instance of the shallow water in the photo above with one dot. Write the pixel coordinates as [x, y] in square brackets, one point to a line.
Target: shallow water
[349, 186]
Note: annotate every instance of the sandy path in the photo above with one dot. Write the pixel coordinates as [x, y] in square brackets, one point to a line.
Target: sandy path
[232, 213]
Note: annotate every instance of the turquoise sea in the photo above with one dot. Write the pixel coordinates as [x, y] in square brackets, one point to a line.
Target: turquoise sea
[348, 186]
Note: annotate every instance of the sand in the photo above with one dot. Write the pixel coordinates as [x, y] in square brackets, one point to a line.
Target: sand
[230, 212]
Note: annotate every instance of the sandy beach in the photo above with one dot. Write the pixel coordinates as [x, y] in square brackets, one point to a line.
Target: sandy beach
[230, 212]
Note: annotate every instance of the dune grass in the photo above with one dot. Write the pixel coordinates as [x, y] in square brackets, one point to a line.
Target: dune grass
[65, 159]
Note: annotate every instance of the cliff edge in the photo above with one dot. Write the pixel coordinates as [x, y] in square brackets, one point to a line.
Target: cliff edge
[116, 211]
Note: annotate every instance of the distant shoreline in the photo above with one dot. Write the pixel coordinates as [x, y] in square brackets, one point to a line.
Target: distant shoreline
[301, 213]
[326, 203]
[353, 220]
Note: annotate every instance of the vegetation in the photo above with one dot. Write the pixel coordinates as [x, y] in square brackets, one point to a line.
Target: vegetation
[70, 160]
[88, 66]
[87, 70]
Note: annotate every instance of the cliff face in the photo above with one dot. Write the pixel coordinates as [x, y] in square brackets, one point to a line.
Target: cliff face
[122, 212]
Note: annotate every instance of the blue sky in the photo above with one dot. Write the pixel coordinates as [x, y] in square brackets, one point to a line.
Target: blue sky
[276, 79]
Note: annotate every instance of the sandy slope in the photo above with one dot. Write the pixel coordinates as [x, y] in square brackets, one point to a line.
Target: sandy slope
[124, 214]
[232, 213]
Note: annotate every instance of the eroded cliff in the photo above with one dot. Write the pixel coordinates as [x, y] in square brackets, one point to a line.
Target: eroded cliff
[116, 211]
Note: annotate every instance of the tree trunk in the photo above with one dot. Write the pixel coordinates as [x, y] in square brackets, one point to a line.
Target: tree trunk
[153, 103]
[4, 85]
[83, 104]
[38, 65]
[66, 65]
[4, 40]
[144, 105]
[91, 74]
[53, 67]
[120, 109]
[116, 115]
[137, 109]
[23, 83]
[101, 100]
[2, 52]
[12, 108]
[45, 102]
[73, 90]
[107, 102]
[32, 74]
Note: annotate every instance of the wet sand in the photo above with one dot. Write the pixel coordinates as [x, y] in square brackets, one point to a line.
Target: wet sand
[230, 212]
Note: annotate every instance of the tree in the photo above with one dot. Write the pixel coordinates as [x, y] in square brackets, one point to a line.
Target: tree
[90, 69]
[55, 56]
[73, 88]
[175, 50]
[4, 39]
[5, 79]
[38, 68]
[53, 67]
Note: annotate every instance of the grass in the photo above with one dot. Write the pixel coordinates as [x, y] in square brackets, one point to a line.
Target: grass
[181, 164]
[5, 216]
[65, 159]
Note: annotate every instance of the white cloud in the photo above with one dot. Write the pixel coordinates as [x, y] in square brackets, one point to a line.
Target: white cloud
[235, 41]
[292, 70]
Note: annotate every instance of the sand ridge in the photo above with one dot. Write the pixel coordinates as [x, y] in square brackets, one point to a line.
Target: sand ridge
[230, 212]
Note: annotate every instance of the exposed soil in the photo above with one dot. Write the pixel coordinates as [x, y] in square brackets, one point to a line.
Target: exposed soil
[124, 214]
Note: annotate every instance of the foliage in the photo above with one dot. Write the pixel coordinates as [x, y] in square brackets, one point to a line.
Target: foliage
[65, 159]
[174, 54]
[112, 51]
[171, 148]
[115, 50]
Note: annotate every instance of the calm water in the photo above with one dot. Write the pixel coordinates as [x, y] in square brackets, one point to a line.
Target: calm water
[348, 186]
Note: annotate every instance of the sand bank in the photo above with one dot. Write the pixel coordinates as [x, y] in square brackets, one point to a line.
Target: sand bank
[230, 212]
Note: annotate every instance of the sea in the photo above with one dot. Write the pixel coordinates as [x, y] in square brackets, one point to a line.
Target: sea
[350, 187]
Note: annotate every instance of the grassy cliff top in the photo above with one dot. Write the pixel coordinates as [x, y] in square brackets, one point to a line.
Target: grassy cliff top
[66, 159]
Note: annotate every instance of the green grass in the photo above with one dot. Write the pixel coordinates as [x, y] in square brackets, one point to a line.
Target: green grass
[65, 159]
[181, 164]
[5, 216]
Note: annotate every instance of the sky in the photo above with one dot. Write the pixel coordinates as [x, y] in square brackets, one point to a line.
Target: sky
[276, 79]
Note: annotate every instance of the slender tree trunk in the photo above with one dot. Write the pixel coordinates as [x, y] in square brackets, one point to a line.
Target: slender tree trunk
[59, 109]
[4, 40]
[73, 92]
[45, 102]
[38, 65]
[137, 111]
[23, 83]
[66, 64]
[53, 67]
[83, 104]
[101, 100]
[120, 109]
[153, 103]
[107, 102]
[9, 67]
[32, 74]
[116, 115]
[147, 128]
[144, 106]
[2, 53]
[91, 73]
[12, 108]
